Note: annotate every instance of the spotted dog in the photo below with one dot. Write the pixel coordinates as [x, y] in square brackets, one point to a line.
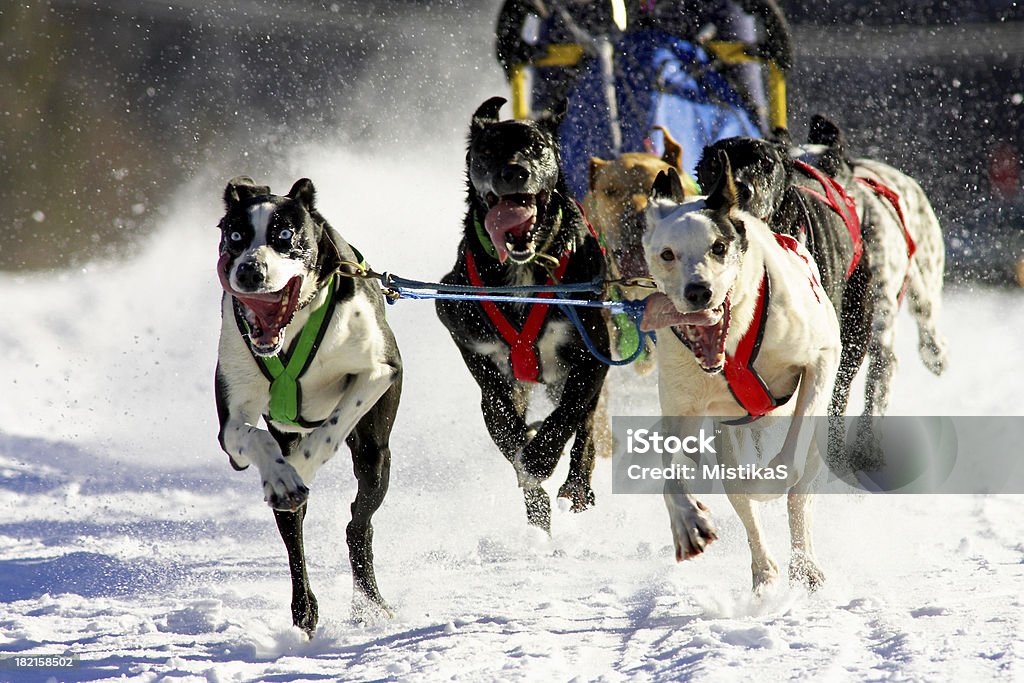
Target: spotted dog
[905, 252]
[310, 353]
[522, 227]
[745, 332]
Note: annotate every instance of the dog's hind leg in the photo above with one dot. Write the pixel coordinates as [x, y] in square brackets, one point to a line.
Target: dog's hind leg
[371, 461]
[304, 608]
[924, 294]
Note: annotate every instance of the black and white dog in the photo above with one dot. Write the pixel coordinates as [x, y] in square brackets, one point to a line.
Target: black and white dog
[904, 249]
[310, 353]
[745, 331]
[798, 200]
[522, 227]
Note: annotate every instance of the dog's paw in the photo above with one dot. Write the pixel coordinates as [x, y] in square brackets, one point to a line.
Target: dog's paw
[692, 529]
[764, 576]
[284, 489]
[305, 613]
[805, 571]
[933, 355]
[579, 494]
[367, 611]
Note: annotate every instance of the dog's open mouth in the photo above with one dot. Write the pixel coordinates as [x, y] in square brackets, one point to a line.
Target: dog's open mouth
[510, 222]
[703, 332]
[267, 313]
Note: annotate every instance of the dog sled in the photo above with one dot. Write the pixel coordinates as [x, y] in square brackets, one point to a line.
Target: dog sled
[629, 84]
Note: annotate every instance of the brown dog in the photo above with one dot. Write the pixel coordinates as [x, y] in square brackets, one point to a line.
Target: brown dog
[615, 206]
[617, 199]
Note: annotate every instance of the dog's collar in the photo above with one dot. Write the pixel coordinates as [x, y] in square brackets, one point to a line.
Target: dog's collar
[284, 369]
[745, 383]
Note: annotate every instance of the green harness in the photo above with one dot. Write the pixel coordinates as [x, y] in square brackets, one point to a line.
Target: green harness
[284, 376]
[284, 369]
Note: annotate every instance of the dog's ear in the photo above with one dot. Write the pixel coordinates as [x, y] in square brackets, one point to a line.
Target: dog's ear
[825, 132]
[673, 155]
[553, 117]
[722, 197]
[241, 188]
[668, 186]
[304, 193]
[595, 165]
[488, 112]
[780, 136]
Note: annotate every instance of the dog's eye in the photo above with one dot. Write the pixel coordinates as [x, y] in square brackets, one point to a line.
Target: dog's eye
[235, 236]
[667, 255]
[719, 248]
[285, 234]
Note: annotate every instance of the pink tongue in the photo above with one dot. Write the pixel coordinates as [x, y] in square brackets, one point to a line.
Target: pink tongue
[660, 312]
[508, 216]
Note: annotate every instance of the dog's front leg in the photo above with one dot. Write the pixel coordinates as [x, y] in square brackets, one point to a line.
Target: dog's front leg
[574, 411]
[816, 382]
[689, 519]
[505, 417]
[283, 488]
[505, 420]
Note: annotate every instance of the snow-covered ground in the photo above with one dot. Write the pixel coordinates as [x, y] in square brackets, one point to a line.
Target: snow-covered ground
[125, 537]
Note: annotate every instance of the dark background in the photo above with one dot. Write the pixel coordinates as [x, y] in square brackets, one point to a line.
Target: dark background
[108, 107]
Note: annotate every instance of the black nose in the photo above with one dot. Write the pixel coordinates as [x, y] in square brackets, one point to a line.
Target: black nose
[515, 173]
[250, 274]
[697, 293]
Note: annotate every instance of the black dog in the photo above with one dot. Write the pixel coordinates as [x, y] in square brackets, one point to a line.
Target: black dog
[338, 381]
[522, 227]
[797, 200]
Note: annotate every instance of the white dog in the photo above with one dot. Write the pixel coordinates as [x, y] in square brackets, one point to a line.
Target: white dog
[743, 326]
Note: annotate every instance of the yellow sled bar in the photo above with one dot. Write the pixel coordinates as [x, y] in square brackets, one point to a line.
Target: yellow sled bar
[567, 54]
[735, 52]
[729, 52]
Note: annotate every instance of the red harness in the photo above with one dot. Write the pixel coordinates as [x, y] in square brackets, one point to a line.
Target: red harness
[840, 202]
[523, 343]
[745, 384]
[888, 193]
